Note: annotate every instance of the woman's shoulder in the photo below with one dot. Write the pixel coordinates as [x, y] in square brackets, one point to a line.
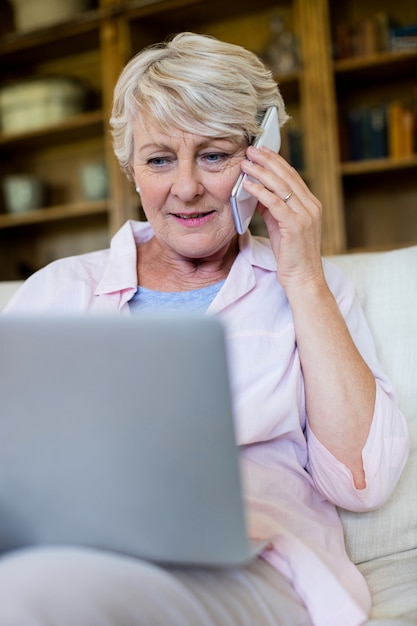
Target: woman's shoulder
[88, 265]
[60, 286]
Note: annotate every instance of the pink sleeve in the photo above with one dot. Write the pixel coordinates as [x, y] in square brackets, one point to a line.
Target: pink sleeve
[384, 456]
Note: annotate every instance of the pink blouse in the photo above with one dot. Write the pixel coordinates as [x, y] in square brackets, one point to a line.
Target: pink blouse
[292, 482]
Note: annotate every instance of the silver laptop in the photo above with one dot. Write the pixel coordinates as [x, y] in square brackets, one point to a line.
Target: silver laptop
[118, 433]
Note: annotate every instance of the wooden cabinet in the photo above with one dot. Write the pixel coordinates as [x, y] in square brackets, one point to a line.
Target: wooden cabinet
[360, 200]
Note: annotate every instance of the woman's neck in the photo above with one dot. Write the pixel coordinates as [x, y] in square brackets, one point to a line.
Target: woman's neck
[161, 270]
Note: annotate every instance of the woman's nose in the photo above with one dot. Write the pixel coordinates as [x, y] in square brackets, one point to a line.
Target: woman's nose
[187, 184]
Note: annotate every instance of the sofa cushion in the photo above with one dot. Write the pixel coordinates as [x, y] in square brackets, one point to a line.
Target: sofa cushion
[383, 543]
[393, 584]
[7, 289]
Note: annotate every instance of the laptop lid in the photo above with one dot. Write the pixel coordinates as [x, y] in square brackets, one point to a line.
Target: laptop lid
[117, 433]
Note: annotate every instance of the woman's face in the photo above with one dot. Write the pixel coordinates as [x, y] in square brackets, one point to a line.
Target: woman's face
[185, 182]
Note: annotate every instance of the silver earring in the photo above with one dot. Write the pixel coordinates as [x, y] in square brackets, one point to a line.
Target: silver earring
[138, 189]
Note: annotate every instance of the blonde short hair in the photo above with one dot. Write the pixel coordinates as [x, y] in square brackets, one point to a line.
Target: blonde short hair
[194, 83]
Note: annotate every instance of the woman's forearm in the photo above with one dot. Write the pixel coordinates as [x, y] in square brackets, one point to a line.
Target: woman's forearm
[339, 386]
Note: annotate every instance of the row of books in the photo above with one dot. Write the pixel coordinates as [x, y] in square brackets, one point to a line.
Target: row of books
[372, 35]
[380, 131]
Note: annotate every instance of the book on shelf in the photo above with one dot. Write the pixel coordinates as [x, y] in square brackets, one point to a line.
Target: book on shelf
[401, 130]
[367, 133]
[382, 130]
[404, 38]
[366, 37]
[373, 35]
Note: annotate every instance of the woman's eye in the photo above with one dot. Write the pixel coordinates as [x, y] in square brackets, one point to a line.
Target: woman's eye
[158, 161]
[214, 157]
[215, 161]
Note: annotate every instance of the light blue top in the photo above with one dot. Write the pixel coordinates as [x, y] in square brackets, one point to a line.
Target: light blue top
[193, 300]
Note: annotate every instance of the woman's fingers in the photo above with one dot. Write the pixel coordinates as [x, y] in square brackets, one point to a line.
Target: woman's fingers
[291, 212]
[278, 176]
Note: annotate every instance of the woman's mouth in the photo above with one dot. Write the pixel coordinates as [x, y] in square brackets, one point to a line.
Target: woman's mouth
[193, 219]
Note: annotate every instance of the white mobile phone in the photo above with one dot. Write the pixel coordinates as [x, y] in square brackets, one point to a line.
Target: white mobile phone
[242, 203]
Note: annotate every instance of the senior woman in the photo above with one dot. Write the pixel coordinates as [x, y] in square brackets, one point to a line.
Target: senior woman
[317, 420]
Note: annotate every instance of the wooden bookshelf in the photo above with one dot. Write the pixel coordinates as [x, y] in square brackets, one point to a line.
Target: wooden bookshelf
[379, 194]
[359, 198]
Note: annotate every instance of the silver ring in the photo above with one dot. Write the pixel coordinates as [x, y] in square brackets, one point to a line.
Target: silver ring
[288, 196]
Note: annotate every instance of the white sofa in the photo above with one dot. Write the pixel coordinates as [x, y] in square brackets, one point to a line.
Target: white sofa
[7, 289]
[383, 543]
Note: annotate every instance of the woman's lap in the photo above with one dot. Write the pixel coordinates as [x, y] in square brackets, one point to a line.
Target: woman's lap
[76, 587]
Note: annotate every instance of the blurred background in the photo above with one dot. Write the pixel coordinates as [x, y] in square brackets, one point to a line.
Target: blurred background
[347, 70]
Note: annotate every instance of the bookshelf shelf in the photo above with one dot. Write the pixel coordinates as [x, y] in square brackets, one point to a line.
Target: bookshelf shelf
[78, 126]
[54, 214]
[178, 13]
[381, 60]
[355, 168]
[373, 71]
[82, 33]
